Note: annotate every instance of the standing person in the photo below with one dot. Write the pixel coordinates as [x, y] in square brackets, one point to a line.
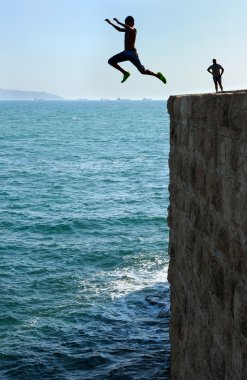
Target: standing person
[129, 53]
[216, 70]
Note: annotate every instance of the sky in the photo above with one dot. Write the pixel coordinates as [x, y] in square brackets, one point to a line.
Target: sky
[62, 46]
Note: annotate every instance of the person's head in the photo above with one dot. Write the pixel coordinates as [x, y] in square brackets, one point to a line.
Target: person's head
[130, 21]
[214, 60]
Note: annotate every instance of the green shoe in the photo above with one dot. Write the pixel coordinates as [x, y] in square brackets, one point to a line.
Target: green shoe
[125, 77]
[161, 77]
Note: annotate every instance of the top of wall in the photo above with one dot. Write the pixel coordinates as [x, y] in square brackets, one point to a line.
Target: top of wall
[221, 93]
[222, 111]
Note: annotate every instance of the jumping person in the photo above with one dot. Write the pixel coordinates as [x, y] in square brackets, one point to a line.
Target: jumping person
[217, 71]
[129, 53]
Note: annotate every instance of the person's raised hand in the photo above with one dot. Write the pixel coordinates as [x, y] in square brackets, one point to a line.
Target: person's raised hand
[107, 20]
[115, 19]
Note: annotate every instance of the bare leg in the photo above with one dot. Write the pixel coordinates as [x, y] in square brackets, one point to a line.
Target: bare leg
[148, 72]
[116, 66]
[160, 76]
[113, 61]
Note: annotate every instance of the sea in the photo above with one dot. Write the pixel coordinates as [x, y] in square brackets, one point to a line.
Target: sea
[84, 240]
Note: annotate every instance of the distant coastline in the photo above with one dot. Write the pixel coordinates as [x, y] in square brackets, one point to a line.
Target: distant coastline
[6, 94]
[23, 95]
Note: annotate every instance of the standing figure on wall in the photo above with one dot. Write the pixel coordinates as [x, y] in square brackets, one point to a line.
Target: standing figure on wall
[217, 71]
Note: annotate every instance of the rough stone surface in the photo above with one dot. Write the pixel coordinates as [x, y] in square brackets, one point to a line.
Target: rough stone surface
[208, 236]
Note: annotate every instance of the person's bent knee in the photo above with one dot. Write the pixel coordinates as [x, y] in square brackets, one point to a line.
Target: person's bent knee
[111, 61]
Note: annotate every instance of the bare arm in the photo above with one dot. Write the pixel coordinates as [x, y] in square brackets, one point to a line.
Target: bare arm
[124, 25]
[222, 70]
[115, 26]
[209, 70]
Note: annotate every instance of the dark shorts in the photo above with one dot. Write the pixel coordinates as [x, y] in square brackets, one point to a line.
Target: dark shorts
[217, 79]
[128, 55]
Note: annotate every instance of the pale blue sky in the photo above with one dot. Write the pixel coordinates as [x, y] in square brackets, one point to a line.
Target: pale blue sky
[62, 46]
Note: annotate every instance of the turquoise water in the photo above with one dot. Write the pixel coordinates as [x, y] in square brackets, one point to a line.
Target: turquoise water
[84, 240]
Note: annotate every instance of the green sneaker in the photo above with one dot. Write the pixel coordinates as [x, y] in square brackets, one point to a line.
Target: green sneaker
[125, 77]
[162, 78]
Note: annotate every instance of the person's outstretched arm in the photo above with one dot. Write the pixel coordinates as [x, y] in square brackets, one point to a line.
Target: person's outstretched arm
[115, 26]
[120, 23]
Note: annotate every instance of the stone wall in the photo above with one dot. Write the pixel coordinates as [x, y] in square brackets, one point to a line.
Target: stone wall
[208, 236]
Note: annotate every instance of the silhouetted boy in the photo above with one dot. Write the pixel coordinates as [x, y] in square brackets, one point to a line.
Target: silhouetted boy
[216, 70]
[130, 53]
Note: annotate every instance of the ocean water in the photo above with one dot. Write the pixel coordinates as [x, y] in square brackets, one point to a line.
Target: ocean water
[83, 247]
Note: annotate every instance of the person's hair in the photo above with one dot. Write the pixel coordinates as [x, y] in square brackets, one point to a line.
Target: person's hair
[130, 19]
[214, 60]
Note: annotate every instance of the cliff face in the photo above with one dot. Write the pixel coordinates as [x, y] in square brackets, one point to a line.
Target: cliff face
[208, 236]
